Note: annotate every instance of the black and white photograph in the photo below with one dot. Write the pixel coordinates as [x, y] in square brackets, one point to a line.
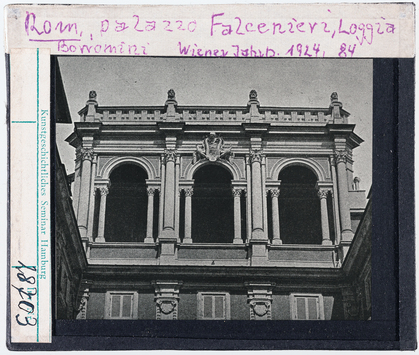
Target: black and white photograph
[213, 188]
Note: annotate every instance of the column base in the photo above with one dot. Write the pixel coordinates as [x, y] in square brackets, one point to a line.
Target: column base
[83, 232]
[148, 240]
[327, 242]
[237, 241]
[187, 241]
[258, 235]
[347, 235]
[100, 240]
[276, 242]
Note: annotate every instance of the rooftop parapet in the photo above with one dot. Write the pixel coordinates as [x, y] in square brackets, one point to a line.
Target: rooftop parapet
[253, 112]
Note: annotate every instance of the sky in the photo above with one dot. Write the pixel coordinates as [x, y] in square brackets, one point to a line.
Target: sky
[133, 81]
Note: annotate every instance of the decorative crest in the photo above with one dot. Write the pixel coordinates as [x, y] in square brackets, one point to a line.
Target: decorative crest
[92, 95]
[212, 148]
[334, 97]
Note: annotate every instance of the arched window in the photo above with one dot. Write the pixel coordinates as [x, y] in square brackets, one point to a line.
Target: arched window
[126, 205]
[212, 206]
[299, 206]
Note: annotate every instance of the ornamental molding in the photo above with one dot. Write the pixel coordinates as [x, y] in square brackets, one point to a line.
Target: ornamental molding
[212, 148]
[188, 191]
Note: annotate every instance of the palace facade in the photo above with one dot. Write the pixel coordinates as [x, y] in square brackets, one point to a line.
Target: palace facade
[242, 213]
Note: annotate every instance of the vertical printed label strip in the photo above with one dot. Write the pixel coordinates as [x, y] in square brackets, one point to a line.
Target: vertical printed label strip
[30, 197]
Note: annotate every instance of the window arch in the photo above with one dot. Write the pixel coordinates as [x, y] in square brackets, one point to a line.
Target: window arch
[299, 206]
[212, 205]
[126, 205]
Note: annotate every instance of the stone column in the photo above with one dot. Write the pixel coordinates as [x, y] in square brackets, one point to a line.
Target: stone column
[257, 197]
[248, 201]
[237, 218]
[77, 181]
[168, 237]
[344, 208]
[90, 222]
[87, 154]
[322, 193]
[259, 297]
[169, 200]
[102, 212]
[167, 299]
[150, 215]
[275, 217]
[161, 199]
[265, 197]
[177, 197]
[188, 215]
[335, 200]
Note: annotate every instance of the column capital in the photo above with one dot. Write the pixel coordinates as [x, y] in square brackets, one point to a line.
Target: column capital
[237, 191]
[170, 155]
[332, 160]
[275, 193]
[341, 156]
[104, 191]
[188, 191]
[255, 156]
[322, 192]
[151, 190]
[86, 153]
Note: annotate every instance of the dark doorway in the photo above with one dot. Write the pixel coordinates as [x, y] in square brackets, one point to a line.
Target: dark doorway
[126, 205]
[299, 207]
[212, 206]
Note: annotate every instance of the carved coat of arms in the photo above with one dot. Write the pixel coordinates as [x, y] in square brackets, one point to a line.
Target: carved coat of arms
[212, 148]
